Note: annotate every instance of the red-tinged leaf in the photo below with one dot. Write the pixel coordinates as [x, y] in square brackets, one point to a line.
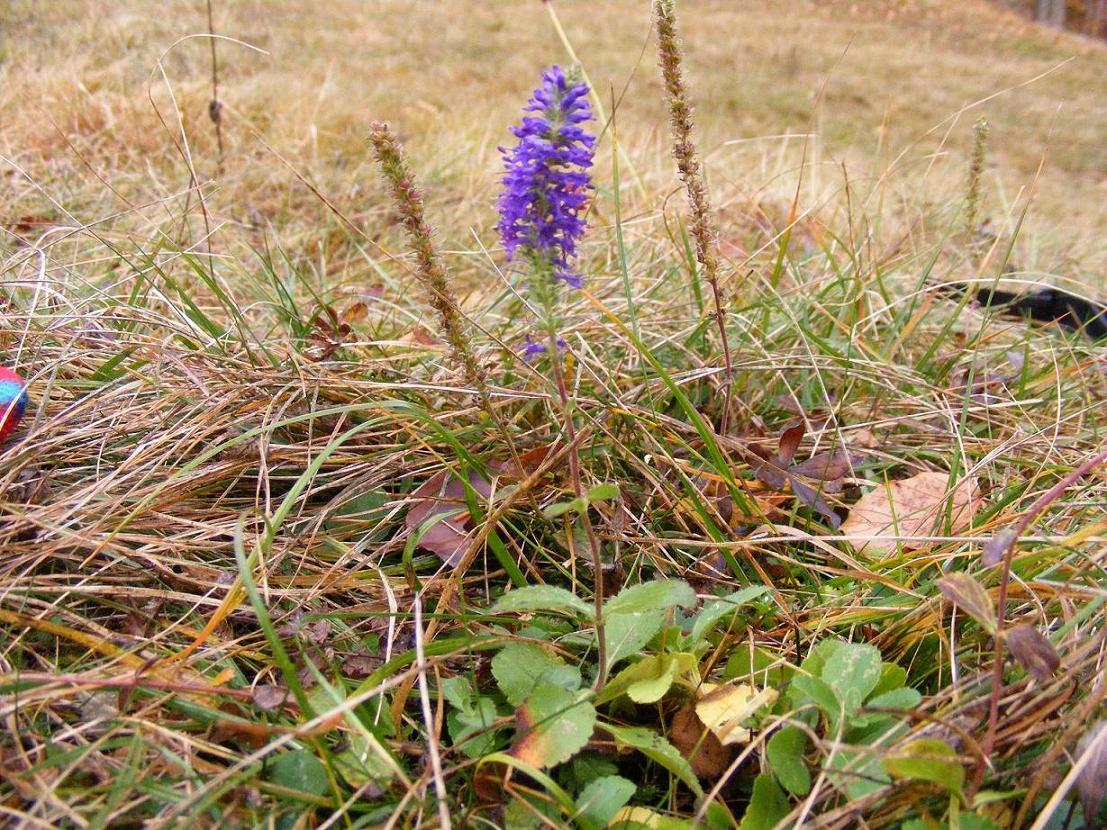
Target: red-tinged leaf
[762, 453]
[995, 549]
[827, 466]
[771, 475]
[789, 443]
[447, 538]
[809, 496]
[531, 460]
[553, 725]
[528, 463]
[768, 470]
[423, 337]
[355, 312]
[443, 496]
[1034, 651]
[969, 595]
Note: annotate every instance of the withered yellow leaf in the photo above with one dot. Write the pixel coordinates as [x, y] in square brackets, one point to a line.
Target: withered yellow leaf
[722, 708]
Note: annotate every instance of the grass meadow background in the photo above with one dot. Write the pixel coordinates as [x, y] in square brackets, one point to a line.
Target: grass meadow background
[216, 609]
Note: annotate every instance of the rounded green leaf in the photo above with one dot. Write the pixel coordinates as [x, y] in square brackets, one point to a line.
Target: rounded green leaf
[602, 799]
[927, 759]
[785, 753]
[768, 805]
[657, 749]
[852, 671]
[651, 598]
[519, 668]
[300, 770]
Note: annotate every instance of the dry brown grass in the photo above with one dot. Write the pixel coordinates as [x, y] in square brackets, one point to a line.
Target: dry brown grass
[874, 82]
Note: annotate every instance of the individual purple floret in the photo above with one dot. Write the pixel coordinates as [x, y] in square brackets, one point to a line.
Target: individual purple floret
[533, 348]
[546, 182]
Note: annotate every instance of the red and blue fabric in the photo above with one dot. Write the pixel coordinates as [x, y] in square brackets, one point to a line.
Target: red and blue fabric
[13, 401]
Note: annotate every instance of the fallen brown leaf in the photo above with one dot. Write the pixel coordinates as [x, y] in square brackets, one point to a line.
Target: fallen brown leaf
[706, 753]
[915, 506]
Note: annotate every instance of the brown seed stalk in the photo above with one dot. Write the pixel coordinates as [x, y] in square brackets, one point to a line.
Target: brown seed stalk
[702, 227]
[430, 270]
[976, 170]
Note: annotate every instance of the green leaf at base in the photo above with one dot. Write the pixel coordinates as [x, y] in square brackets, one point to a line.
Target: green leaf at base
[554, 725]
[768, 805]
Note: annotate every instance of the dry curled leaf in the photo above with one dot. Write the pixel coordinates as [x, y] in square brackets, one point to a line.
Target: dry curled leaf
[722, 708]
[1034, 651]
[708, 731]
[329, 330]
[913, 507]
[777, 470]
[1091, 782]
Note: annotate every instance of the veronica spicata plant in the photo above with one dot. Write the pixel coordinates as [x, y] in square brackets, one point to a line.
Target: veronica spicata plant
[546, 189]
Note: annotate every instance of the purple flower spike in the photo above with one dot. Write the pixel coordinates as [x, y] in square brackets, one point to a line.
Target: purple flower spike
[546, 180]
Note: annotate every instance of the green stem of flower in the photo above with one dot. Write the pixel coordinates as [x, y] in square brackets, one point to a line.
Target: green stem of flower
[544, 288]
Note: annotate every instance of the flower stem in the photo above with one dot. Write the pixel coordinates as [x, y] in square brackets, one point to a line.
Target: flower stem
[544, 281]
